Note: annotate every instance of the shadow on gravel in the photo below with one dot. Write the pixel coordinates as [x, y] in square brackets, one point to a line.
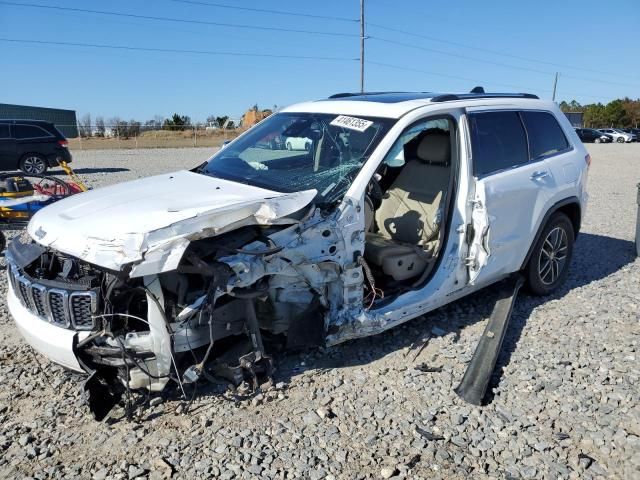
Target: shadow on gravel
[595, 257]
[98, 170]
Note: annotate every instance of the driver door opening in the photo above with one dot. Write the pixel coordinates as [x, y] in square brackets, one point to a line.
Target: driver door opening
[407, 206]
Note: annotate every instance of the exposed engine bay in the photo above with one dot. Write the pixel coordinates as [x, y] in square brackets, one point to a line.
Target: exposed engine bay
[210, 318]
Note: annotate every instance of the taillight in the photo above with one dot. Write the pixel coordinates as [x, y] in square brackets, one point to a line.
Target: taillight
[587, 159]
[63, 143]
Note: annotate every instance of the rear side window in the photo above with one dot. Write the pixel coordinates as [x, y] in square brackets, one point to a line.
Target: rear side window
[498, 142]
[545, 134]
[4, 131]
[21, 132]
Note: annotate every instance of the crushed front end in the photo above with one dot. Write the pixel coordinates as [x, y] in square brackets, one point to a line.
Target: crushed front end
[232, 301]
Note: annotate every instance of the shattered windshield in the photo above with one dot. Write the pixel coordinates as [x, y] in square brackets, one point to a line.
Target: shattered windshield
[292, 152]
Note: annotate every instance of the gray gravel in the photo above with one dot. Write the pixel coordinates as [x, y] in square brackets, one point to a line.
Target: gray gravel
[565, 406]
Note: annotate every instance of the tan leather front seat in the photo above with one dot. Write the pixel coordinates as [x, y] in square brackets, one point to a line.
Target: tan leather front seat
[409, 216]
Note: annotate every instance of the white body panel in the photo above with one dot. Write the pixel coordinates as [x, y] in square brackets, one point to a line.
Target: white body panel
[151, 220]
[53, 342]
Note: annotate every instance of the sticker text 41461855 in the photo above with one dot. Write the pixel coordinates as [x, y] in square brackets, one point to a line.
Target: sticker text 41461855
[352, 123]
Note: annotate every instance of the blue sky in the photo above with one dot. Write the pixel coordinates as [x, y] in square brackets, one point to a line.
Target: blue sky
[460, 51]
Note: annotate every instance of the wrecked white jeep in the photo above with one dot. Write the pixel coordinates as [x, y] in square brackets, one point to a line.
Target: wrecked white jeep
[401, 203]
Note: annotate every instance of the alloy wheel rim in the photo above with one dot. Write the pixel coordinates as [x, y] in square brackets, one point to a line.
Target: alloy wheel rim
[33, 165]
[553, 256]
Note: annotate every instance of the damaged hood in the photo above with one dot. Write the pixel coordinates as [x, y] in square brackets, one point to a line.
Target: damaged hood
[149, 222]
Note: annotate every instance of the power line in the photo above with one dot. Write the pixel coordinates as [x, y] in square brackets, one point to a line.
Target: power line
[264, 10]
[178, 20]
[439, 74]
[471, 80]
[173, 50]
[496, 52]
[491, 62]
[457, 55]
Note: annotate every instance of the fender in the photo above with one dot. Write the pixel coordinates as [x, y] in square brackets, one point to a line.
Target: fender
[557, 206]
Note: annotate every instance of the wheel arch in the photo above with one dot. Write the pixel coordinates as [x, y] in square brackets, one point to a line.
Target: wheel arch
[571, 208]
[26, 154]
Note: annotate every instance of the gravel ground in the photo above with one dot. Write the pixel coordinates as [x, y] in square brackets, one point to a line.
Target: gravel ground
[565, 405]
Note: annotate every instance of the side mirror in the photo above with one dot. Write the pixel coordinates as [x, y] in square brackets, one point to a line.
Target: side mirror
[224, 144]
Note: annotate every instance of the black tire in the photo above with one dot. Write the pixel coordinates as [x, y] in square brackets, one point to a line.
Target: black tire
[548, 266]
[289, 147]
[620, 140]
[3, 242]
[597, 140]
[33, 163]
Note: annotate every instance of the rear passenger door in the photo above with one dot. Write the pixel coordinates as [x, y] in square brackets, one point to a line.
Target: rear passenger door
[511, 193]
[8, 160]
[33, 138]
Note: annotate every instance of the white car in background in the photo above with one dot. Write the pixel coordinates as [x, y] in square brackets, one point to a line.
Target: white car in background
[298, 143]
[618, 135]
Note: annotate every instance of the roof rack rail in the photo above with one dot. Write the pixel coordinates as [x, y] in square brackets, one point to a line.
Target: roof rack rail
[449, 97]
[357, 94]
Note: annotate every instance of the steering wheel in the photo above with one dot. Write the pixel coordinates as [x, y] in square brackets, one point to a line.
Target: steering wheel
[372, 201]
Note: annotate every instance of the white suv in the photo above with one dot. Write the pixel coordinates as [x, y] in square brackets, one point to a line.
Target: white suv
[618, 135]
[403, 202]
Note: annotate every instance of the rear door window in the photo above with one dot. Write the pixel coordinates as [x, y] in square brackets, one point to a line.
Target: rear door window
[23, 132]
[498, 142]
[545, 134]
[4, 131]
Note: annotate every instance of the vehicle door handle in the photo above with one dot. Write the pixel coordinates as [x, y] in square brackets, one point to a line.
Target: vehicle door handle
[537, 175]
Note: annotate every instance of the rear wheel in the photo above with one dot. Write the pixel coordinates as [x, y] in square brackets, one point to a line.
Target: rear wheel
[3, 242]
[620, 140]
[597, 140]
[33, 163]
[548, 266]
[289, 146]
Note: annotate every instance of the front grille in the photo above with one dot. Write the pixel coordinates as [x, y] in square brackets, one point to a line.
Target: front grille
[58, 305]
[81, 307]
[39, 296]
[24, 286]
[61, 307]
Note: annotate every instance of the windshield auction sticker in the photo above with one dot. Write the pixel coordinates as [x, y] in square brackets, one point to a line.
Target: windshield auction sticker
[351, 123]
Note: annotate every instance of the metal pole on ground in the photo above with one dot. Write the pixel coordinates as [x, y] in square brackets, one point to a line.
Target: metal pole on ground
[638, 225]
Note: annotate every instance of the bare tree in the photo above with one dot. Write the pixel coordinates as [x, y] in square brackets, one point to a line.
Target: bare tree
[100, 130]
[84, 125]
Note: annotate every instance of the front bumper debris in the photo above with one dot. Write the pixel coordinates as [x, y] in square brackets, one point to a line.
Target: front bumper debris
[53, 342]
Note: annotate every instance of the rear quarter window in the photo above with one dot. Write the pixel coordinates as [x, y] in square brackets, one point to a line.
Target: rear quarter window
[23, 132]
[545, 134]
[499, 142]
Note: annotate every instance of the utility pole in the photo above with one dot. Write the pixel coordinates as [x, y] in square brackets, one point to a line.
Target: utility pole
[361, 46]
[555, 84]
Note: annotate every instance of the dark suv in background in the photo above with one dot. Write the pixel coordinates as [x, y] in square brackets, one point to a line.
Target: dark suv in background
[591, 135]
[31, 145]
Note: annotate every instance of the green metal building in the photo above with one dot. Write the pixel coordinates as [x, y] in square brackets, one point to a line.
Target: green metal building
[64, 120]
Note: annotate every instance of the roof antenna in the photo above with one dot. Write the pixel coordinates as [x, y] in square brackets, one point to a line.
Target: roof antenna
[477, 89]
